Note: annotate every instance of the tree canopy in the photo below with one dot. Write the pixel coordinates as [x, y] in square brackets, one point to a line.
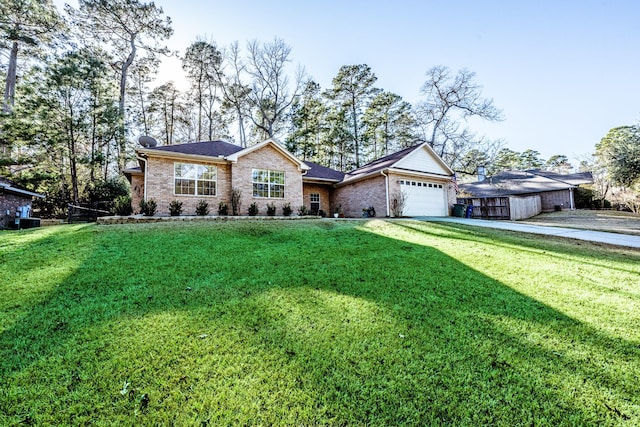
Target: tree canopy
[78, 113]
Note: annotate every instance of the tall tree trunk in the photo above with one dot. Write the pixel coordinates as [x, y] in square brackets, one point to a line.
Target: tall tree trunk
[10, 86]
[122, 141]
[355, 132]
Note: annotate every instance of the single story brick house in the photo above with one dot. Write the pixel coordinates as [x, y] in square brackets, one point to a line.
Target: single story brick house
[267, 173]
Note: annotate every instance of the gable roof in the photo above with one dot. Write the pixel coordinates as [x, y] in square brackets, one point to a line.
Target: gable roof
[273, 143]
[394, 161]
[9, 187]
[216, 148]
[513, 182]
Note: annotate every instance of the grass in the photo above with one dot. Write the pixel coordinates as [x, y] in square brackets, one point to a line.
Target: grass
[315, 323]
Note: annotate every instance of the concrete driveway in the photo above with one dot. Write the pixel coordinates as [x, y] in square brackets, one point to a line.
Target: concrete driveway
[572, 233]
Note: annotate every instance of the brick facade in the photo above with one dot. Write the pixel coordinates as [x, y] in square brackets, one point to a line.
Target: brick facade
[267, 158]
[325, 192]
[235, 171]
[10, 202]
[161, 182]
[352, 198]
[137, 191]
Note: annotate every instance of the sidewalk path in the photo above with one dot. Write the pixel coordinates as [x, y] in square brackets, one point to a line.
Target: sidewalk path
[573, 233]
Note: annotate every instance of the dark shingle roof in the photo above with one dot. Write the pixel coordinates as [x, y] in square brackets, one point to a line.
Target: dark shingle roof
[570, 178]
[322, 172]
[206, 148]
[381, 163]
[514, 183]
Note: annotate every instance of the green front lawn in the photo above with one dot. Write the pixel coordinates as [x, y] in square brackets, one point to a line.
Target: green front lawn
[315, 322]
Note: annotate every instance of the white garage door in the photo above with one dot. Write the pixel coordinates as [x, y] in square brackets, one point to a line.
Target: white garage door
[424, 198]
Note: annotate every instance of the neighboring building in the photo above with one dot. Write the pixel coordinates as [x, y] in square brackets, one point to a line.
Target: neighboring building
[268, 173]
[15, 204]
[522, 194]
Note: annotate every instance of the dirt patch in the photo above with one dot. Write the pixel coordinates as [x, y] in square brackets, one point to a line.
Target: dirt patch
[612, 221]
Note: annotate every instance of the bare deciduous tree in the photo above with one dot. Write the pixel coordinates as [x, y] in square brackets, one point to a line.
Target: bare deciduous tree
[271, 93]
[450, 101]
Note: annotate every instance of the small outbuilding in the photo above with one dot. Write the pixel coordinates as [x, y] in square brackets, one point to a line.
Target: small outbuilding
[518, 195]
[15, 206]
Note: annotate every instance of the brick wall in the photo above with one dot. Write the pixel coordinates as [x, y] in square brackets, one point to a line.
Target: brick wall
[10, 202]
[160, 187]
[271, 159]
[325, 196]
[362, 194]
[372, 192]
[137, 191]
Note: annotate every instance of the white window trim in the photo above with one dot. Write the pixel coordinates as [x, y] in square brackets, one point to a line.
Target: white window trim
[284, 185]
[215, 181]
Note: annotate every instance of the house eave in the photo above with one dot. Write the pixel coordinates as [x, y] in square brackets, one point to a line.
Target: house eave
[358, 178]
[180, 156]
[235, 156]
[324, 181]
[14, 190]
[393, 170]
[420, 174]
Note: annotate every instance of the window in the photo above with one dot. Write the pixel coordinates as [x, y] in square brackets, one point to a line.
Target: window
[268, 183]
[314, 199]
[195, 180]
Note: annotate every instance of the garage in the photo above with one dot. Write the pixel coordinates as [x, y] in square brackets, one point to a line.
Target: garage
[424, 198]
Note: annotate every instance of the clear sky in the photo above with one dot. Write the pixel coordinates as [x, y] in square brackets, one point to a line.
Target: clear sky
[563, 72]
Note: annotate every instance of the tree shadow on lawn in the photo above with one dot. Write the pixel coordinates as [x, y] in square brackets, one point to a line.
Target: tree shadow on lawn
[562, 246]
[357, 328]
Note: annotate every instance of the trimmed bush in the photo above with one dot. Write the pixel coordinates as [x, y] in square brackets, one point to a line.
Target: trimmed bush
[122, 206]
[175, 208]
[253, 209]
[223, 209]
[287, 210]
[271, 209]
[302, 210]
[148, 207]
[202, 208]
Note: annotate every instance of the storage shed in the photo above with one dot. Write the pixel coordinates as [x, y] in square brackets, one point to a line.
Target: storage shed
[15, 205]
[518, 195]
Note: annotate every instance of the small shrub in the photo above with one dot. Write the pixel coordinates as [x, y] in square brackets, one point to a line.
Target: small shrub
[122, 206]
[286, 209]
[271, 209]
[253, 209]
[223, 209]
[302, 210]
[235, 201]
[148, 207]
[175, 208]
[398, 203]
[202, 208]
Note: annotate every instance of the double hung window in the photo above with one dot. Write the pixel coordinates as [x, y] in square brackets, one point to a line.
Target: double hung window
[268, 183]
[193, 179]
